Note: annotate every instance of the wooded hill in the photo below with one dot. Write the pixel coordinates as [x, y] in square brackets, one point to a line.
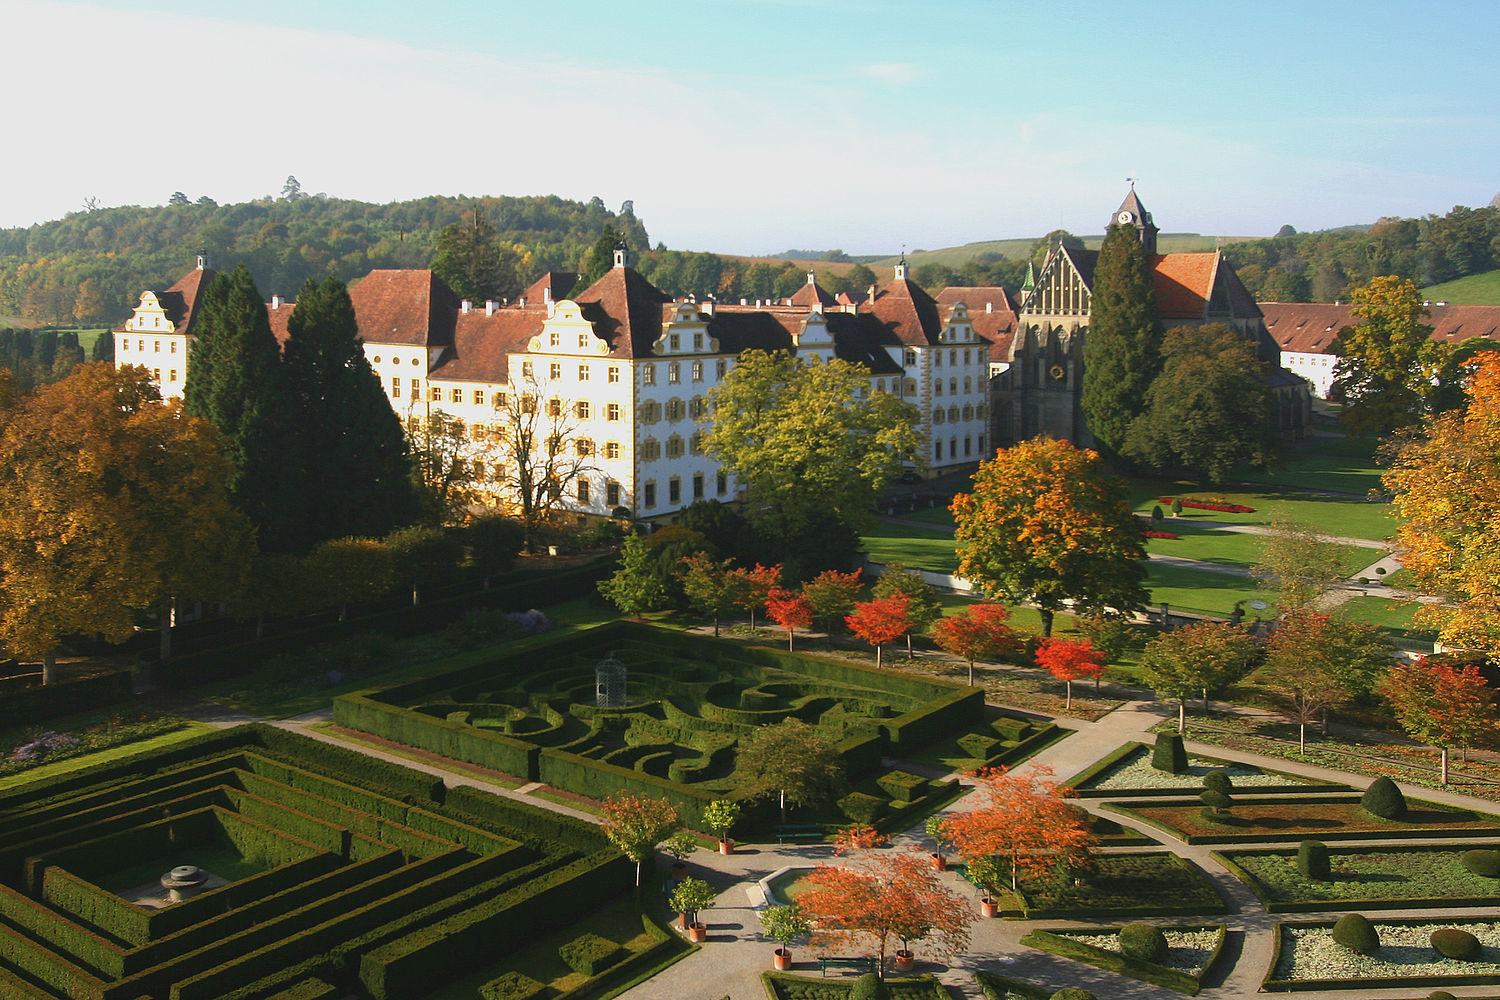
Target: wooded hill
[90, 267]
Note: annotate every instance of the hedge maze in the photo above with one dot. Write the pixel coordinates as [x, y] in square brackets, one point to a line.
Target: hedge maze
[342, 874]
[532, 713]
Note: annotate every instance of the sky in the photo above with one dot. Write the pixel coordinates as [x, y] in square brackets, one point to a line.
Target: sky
[756, 126]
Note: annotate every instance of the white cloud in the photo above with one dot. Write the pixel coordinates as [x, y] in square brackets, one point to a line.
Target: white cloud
[893, 73]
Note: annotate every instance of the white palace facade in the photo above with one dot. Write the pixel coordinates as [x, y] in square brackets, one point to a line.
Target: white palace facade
[632, 367]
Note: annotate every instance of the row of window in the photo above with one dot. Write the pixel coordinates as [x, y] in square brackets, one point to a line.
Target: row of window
[674, 371]
[397, 361]
[584, 492]
[674, 489]
[910, 358]
[953, 414]
[674, 410]
[171, 376]
[140, 346]
[937, 386]
[968, 446]
[651, 448]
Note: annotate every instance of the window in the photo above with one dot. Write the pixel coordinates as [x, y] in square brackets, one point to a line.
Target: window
[584, 447]
[938, 416]
[583, 341]
[173, 345]
[554, 339]
[937, 359]
[155, 347]
[650, 450]
[967, 445]
[697, 341]
[674, 490]
[648, 494]
[674, 342]
[968, 413]
[554, 407]
[614, 373]
[698, 486]
[583, 491]
[526, 369]
[650, 411]
[648, 375]
[937, 387]
[395, 387]
[478, 470]
[458, 395]
[612, 411]
[583, 373]
[953, 357]
[674, 409]
[953, 414]
[911, 387]
[125, 344]
[968, 383]
[697, 371]
[937, 451]
[416, 388]
[611, 449]
[478, 397]
[674, 373]
[612, 495]
[377, 359]
[910, 359]
[697, 407]
[554, 370]
[156, 374]
[720, 368]
[966, 355]
[953, 387]
[414, 361]
[436, 394]
[477, 432]
[581, 409]
[721, 483]
[140, 345]
[674, 447]
[696, 443]
[173, 376]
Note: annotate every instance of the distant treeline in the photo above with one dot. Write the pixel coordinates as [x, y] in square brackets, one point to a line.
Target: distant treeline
[90, 267]
[1323, 267]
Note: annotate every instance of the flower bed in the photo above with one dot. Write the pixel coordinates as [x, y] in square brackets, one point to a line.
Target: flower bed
[1325, 817]
[1126, 885]
[85, 735]
[1366, 878]
[1190, 952]
[1161, 534]
[1308, 958]
[1129, 770]
[1218, 505]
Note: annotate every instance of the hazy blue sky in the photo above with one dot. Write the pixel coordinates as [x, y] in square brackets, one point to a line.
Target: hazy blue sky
[757, 125]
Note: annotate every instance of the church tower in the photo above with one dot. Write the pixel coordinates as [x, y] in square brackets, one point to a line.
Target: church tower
[1132, 213]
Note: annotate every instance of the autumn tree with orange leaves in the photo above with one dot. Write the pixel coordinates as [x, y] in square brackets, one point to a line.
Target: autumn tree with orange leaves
[880, 621]
[790, 610]
[879, 899]
[1047, 524]
[1070, 659]
[979, 632]
[1025, 820]
[753, 586]
[1445, 482]
[1440, 704]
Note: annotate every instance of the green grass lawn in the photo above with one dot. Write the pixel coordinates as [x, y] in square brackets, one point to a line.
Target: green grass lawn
[1346, 517]
[1204, 591]
[1336, 464]
[1207, 542]
[188, 730]
[1474, 290]
[1380, 611]
[1368, 873]
[917, 548]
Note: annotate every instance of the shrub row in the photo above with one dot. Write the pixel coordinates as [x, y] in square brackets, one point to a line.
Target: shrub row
[307, 989]
[1422, 980]
[589, 954]
[57, 972]
[67, 936]
[24, 705]
[1129, 808]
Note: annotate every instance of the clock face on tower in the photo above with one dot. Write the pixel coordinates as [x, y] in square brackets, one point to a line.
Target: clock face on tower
[1125, 218]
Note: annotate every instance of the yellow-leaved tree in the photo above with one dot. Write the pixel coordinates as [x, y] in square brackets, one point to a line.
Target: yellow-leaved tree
[111, 502]
[1445, 482]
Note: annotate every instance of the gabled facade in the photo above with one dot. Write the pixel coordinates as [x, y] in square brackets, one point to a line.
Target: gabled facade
[157, 334]
[1038, 386]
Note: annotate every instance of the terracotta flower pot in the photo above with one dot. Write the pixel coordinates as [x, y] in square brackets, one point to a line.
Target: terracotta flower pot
[679, 871]
[782, 959]
[726, 846]
[939, 862]
[989, 907]
[697, 933]
[905, 961]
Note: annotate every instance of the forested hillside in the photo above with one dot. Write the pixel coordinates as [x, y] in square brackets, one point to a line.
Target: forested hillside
[91, 266]
[1323, 267]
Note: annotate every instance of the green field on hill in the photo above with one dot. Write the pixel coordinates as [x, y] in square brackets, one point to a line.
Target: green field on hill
[1475, 290]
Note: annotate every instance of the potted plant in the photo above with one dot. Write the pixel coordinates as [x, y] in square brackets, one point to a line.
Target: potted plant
[691, 896]
[719, 816]
[937, 830]
[985, 873]
[784, 924]
[680, 845]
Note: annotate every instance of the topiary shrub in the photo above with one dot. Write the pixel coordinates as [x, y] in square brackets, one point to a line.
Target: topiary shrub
[1441, 995]
[1143, 942]
[511, 986]
[1219, 781]
[1450, 942]
[1484, 863]
[862, 808]
[1384, 799]
[1073, 993]
[869, 987]
[1168, 754]
[1313, 861]
[1355, 932]
[589, 954]
[1216, 804]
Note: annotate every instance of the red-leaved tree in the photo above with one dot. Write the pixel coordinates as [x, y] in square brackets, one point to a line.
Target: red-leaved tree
[880, 621]
[979, 632]
[880, 898]
[754, 585]
[1025, 819]
[1070, 659]
[1439, 704]
[790, 610]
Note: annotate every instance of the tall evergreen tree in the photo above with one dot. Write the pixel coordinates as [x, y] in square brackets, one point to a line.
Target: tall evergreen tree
[235, 381]
[473, 261]
[1122, 349]
[358, 471]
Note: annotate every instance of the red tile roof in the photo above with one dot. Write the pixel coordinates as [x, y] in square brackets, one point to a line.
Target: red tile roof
[811, 294]
[907, 314]
[483, 344]
[558, 283]
[626, 311]
[179, 303]
[1310, 327]
[409, 307]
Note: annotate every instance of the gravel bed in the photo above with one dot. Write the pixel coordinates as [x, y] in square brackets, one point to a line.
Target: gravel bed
[1187, 951]
[1136, 771]
[1312, 953]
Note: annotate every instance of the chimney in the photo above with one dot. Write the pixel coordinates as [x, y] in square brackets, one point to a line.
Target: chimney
[275, 301]
[465, 306]
[744, 302]
[989, 307]
[547, 293]
[708, 307]
[521, 302]
[490, 305]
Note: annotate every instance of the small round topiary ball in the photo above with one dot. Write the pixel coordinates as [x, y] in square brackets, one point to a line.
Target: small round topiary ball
[1218, 780]
[1143, 942]
[1355, 932]
[1441, 995]
[1384, 799]
[1073, 993]
[869, 987]
[1481, 862]
[1312, 860]
[1450, 942]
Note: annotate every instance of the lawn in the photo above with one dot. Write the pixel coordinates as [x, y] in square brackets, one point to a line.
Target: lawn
[1335, 465]
[1210, 542]
[1396, 875]
[1348, 517]
[1325, 817]
[1473, 290]
[918, 548]
[1384, 611]
[1187, 588]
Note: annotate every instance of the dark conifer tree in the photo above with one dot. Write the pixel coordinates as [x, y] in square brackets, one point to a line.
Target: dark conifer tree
[1122, 349]
[359, 473]
[236, 382]
[475, 263]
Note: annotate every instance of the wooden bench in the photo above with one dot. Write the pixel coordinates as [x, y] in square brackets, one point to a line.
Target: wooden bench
[862, 963]
[803, 832]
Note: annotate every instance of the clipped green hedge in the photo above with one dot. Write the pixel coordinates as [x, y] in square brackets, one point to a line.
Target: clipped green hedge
[590, 954]
[1136, 968]
[511, 986]
[903, 786]
[26, 705]
[997, 987]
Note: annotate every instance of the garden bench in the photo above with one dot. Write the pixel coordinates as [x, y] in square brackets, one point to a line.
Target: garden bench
[863, 963]
[798, 832]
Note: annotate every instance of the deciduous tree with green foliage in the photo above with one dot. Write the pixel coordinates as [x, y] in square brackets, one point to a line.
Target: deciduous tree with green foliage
[345, 571]
[713, 588]
[638, 585]
[922, 604]
[1046, 523]
[1387, 362]
[1122, 347]
[1208, 410]
[1197, 659]
[1297, 564]
[791, 761]
[111, 503]
[811, 444]
[1315, 663]
[423, 556]
[832, 595]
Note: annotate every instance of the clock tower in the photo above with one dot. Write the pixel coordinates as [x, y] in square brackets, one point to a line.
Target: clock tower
[1132, 213]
